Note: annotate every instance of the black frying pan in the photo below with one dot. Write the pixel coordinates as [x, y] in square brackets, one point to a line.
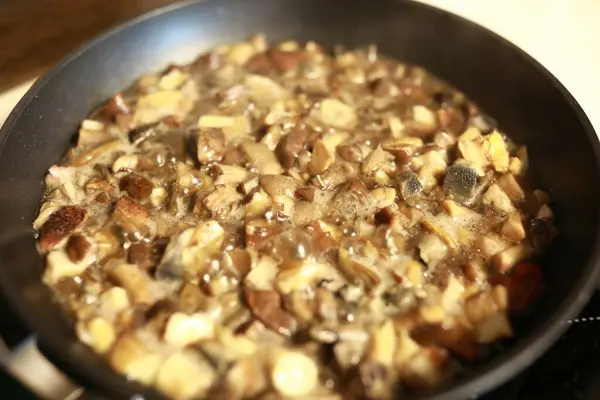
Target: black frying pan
[527, 100]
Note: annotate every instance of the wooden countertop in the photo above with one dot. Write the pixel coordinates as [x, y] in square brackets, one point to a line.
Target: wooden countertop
[35, 34]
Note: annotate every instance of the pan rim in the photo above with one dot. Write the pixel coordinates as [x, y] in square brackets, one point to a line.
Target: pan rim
[492, 375]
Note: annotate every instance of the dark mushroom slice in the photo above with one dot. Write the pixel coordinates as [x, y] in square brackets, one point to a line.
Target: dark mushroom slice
[59, 225]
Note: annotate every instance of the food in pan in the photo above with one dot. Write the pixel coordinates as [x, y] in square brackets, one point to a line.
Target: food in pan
[285, 222]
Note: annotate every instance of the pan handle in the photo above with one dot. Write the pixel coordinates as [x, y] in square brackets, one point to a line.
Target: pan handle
[27, 364]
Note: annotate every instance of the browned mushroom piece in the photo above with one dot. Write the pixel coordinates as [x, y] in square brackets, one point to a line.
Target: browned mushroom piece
[59, 225]
[274, 221]
[266, 306]
[136, 186]
[77, 246]
[210, 145]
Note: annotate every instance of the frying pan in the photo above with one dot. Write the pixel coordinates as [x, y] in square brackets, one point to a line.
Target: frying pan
[531, 105]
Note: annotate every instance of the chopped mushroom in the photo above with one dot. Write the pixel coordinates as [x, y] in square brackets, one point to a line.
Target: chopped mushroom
[134, 358]
[498, 199]
[137, 283]
[210, 145]
[507, 258]
[185, 375]
[97, 333]
[182, 330]
[266, 306]
[262, 158]
[334, 113]
[59, 225]
[276, 221]
[487, 312]
[293, 374]
[511, 187]
[513, 228]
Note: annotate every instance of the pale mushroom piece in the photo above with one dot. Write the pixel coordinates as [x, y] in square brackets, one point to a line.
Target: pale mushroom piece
[98, 333]
[184, 375]
[138, 284]
[490, 245]
[470, 133]
[128, 162]
[113, 301]
[241, 345]
[426, 368]
[158, 197]
[240, 53]
[245, 379]
[396, 126]
[497, 152]
[279, 185]
[259, 203]
[182, 329]
[511, 187]
[438, 227]
[262, 276]
[513, 228]
[432, 249]
[506, 259]
[406, 348]
[383, 197]
[382, 345]
[154, 106]
[172, 80]
[424, 115]
[498, 199]
[217, 121]
[230, 174]
[474, 150]
[180, 255]
[48, 208]
[92, 125]
[321, 159]
[523, 156]
[455, 210]
[224, 201]
[135, 359]
[359, 270]
[303, 276]
[515, 166]
[284, 206]
[334, 113]
[413, 271]
[452, 295]
[262, 158]
[264, 91]
[376, 160]
[487, 313]
[58, 265]
[293, 374]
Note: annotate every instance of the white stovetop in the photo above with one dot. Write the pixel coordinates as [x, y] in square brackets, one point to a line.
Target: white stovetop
[561, 34]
